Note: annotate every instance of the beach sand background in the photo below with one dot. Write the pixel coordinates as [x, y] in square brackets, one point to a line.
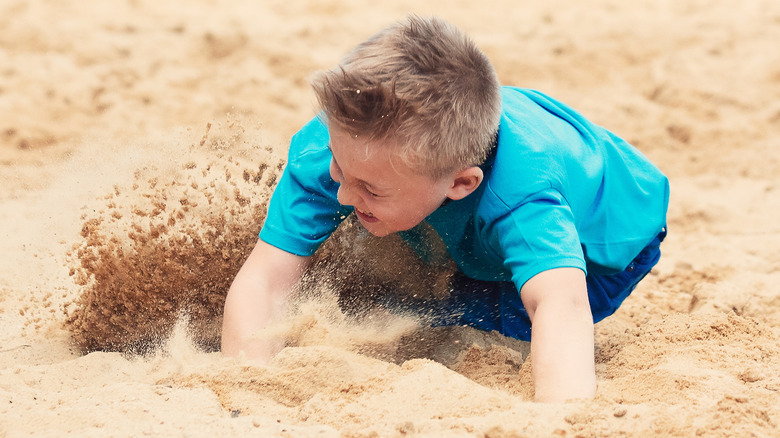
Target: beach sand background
[138, 144]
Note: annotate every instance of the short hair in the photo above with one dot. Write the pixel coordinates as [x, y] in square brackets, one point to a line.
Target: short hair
[421, 84]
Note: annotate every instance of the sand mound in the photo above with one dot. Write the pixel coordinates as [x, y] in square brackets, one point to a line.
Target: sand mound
[169, 245]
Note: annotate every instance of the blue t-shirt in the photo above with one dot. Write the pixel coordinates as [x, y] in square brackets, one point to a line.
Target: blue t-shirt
[559, 191]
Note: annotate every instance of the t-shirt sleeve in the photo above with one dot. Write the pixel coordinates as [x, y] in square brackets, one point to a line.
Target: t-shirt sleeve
[304, 210]
[537, 235]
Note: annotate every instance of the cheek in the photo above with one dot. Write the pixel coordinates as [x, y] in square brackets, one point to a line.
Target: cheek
[398, 215]
[335, 172]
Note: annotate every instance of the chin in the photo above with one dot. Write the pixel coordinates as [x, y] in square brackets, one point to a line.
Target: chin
[379, 233]
[374, 226]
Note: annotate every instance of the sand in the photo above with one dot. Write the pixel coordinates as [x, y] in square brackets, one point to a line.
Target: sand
[139, 141]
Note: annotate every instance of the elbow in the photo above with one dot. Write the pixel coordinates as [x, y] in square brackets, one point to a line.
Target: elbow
[564, 289]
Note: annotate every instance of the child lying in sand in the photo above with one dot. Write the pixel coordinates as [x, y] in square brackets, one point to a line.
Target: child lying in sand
[552, 220]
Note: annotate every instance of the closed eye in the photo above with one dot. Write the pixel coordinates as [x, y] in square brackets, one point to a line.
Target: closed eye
[374, 195]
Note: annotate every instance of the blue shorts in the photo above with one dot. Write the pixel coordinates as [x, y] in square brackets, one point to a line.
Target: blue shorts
[491, 305]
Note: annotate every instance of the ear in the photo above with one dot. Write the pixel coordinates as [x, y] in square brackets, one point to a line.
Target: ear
[465, 182]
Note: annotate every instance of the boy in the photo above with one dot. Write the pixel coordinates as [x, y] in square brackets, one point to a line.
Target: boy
[551, 220]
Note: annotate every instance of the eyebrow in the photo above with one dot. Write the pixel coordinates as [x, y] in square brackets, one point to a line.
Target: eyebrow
[366, 184]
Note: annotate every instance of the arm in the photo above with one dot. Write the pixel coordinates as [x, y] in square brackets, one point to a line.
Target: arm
[562, 358]
[258, 293]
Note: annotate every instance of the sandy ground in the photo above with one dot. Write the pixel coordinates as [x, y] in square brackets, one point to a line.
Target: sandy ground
[138, 143]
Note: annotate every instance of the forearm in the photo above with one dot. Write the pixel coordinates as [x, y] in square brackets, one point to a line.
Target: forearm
[562, 359]
[249, 307]
[258, 294]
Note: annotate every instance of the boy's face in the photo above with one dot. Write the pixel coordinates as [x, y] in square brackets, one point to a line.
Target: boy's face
[387, 195]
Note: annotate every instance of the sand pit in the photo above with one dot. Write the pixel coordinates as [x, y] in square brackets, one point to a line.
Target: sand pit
[138, 145]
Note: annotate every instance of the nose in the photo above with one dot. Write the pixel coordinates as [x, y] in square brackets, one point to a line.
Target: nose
[346, 195]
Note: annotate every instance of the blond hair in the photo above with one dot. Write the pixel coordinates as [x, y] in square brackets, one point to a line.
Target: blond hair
[420, 84]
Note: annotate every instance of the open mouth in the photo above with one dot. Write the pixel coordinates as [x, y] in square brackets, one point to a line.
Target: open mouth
[366, 217]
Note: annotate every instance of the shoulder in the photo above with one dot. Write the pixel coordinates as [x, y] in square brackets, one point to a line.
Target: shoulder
[532, 148]
[536, 117]
[515, 100]
[312, 138]
[309, 152]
